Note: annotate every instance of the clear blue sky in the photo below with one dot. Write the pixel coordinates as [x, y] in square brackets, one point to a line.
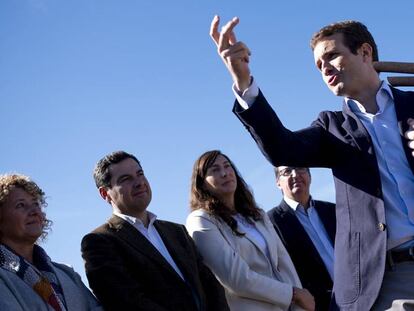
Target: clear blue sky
[82, 78]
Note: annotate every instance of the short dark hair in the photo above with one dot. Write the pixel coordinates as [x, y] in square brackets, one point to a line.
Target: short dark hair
[355, 35]
[101, 172]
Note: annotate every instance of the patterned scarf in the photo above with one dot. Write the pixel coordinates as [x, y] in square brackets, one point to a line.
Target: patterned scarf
[39, 275]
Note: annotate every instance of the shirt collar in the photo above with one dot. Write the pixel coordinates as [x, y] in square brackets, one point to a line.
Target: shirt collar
[294, 205]
[136, 221]
[384, 93]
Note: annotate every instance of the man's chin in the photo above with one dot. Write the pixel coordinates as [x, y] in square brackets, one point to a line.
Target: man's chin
[298, 190]
[338, 90]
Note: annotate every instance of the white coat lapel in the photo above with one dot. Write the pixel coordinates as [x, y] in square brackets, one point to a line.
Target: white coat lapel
[272, 240]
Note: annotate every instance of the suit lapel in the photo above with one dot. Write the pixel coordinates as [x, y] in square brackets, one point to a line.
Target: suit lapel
[262, 230]
[292, 224]
[139, 242]
[293, 229]
[177, 252]
[263, 227]
[356, 130]
[327, 216]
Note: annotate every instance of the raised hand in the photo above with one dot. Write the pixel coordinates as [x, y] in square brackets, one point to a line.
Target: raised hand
[235, 54]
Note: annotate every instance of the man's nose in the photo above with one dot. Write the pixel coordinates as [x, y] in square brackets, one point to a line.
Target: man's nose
[138, 181]
[326, 68]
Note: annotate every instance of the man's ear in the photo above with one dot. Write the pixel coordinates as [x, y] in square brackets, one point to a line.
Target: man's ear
[366, 51]
[278, 183]
[104, 194]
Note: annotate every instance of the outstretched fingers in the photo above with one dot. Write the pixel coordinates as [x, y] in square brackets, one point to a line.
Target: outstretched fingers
[227, 36]
[214, 33]
[234, 54]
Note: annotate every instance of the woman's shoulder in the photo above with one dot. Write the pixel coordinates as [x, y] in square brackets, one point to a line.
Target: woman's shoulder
[201, 218]
[67, 270]
[202, 214]
[63, 266]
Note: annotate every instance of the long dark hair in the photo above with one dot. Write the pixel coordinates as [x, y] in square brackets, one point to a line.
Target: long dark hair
[201, 198]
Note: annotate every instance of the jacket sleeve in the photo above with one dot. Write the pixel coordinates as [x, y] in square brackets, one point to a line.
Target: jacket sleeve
[231, 269]
[110, 282]
[311, 146]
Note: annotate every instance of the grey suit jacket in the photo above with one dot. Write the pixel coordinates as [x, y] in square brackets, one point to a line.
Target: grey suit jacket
[16, 295]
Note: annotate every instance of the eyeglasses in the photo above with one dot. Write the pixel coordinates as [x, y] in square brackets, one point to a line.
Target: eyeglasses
[286, 172]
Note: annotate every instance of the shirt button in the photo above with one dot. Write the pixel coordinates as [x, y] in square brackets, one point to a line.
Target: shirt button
[381, 226]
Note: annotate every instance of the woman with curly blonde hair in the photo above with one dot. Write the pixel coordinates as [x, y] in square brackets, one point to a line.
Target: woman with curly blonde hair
[29, 280]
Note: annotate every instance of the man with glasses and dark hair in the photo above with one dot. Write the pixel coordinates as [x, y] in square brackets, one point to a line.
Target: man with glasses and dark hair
[307, 228]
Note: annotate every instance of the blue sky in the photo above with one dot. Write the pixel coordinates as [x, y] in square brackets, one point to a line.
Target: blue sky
[82, 78]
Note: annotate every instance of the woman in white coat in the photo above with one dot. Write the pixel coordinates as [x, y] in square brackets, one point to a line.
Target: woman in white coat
[29, 280]
[238, 242]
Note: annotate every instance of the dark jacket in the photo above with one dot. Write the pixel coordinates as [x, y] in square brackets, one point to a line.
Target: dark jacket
[126, 272]
[305, 256]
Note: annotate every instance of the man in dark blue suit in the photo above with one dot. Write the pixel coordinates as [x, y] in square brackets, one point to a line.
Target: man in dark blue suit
[368, 145]
[307, 228]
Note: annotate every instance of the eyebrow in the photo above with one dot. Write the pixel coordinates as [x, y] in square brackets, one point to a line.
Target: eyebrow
[224, 162]
[122, 176]
[127, 175]
[24, 200]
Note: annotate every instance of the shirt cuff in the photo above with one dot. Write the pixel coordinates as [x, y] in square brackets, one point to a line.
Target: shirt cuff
[247, 98]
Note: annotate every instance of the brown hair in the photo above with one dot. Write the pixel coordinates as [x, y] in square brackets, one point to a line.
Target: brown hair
[202, 199]
[355, 34]
[10, 181]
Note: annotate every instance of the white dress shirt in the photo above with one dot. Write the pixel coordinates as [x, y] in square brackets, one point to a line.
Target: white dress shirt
[152, 236]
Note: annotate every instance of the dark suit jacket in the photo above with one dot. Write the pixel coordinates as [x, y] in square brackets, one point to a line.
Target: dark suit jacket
[339, 140]
[305, 257]
[126, 272]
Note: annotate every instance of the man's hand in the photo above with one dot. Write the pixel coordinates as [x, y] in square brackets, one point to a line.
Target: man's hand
[303, 298]
[234, 54]
[410, 134]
